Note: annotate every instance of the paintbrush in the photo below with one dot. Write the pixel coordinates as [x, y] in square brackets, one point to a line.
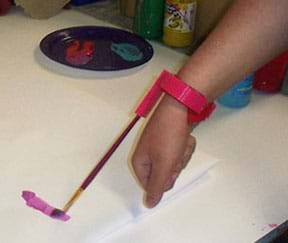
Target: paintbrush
[37, 203]
[142, 110]
[96, 170]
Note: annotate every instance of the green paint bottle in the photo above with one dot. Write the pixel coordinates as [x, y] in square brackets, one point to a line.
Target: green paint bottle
[148, 20]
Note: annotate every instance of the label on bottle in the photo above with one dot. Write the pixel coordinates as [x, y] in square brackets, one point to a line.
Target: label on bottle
[243, 88]
[180, 17]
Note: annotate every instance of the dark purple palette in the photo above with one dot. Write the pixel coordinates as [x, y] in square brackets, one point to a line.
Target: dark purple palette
[96, 48]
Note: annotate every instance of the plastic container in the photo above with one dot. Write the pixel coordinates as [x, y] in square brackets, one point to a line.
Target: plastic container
[148, 20]
[270, 77]
[239, 95]
[179, 22]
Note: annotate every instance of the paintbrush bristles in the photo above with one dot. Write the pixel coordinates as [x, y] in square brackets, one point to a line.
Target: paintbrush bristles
[73, 199]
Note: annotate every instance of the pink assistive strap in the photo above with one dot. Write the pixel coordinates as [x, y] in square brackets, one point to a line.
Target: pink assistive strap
[199, 108]
[183, 93]
[150, 99]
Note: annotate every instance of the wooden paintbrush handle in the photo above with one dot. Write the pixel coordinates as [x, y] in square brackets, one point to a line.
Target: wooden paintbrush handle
[108, 154]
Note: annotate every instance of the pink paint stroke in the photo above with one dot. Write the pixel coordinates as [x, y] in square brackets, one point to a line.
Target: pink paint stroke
[272, 225]
[37, 203]
[269, 226]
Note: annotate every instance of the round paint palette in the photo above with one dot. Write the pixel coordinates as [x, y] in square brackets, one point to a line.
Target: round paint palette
[96, 48]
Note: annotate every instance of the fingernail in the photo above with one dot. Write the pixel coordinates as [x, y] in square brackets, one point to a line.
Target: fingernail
[152, 200]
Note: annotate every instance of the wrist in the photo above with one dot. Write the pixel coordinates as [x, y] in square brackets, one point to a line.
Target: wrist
[197, 105]
[170, 101]
[176, 110]
[198, 82]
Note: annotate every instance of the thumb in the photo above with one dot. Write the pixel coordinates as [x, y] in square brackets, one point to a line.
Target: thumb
[156, 184]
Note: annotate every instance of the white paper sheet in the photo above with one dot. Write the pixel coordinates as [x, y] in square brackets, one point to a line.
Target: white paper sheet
[51, 136]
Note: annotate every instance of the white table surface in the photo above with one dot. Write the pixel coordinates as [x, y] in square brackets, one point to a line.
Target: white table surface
[243, 195]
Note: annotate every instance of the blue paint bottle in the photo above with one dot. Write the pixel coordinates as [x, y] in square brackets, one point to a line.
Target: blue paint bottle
[239, 95]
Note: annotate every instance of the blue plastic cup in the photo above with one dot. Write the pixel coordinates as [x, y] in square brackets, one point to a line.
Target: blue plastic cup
[239, 95]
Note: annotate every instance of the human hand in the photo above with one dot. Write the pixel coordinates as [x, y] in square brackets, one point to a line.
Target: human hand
[164, 149]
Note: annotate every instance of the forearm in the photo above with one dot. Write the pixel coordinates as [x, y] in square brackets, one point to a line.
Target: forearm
[250, 34]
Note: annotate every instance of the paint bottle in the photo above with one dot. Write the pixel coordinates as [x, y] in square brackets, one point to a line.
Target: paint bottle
[284, 89]
[179, 22]
[239, 95]
[269, 78]
[148, 20]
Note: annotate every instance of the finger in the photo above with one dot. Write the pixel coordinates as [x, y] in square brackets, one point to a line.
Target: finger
[189, 150]
[156, 184]
[171, 182]
[174, 175]
[142, 169]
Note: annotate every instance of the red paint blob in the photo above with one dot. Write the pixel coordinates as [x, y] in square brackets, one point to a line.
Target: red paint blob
[80, 53]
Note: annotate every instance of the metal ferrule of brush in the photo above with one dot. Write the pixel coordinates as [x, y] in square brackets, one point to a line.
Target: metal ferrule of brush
[73, 199]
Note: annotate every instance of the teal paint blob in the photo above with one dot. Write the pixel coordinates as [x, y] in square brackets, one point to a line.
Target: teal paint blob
[127, 51]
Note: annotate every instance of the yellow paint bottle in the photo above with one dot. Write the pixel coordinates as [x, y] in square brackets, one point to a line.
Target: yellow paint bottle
[179, 22]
